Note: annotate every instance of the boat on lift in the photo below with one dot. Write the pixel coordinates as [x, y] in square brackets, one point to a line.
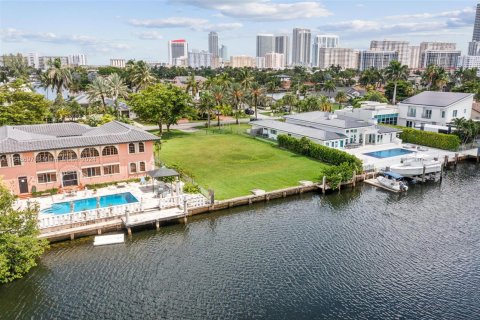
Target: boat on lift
[392, 181]
[413, 166]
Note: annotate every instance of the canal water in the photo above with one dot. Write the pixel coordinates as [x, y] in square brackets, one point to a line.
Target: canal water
[358, 254]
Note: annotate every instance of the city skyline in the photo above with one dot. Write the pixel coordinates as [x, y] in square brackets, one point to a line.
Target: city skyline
[102, 30]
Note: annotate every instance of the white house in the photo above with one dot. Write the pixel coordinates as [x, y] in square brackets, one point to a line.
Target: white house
[372, 111]
[434, 108]
[331, 130]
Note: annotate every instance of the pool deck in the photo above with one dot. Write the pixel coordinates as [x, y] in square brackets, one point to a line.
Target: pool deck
[382, 163]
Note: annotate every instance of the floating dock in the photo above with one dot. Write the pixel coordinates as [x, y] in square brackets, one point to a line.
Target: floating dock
[109, 239]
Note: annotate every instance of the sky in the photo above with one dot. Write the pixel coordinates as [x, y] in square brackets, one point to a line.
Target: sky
[141, 29]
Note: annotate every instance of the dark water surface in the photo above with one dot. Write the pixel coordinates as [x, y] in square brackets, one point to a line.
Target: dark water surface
[361, 254]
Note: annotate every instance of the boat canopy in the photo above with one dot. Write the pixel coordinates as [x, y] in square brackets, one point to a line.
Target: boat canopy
[393, 175]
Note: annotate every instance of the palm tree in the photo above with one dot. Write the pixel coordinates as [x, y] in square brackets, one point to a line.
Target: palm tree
[192, 85]
[116, 88]
[140, 75]
[396, 72]
[429, 75]
[206, 104]
[441, 79]
[329, 86]
[218, 95]
[224, 80]
[236, 94]
[290, 100]
[256, 91]
[246, 79]
[98, 91]
[341, 97]
[58, 77]
[325, 104]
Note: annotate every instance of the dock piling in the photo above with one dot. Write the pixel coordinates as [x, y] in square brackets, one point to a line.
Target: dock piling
[354, 178]
[324, 184]
[445, 162]
[456, 159]
[423, 173]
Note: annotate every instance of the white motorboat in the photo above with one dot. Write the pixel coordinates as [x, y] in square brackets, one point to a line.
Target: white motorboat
[392, 181]
[413, 166]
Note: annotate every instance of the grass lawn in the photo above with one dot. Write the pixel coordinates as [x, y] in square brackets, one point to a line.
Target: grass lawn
[233, 164]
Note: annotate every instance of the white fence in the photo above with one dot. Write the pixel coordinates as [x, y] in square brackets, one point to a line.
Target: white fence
[193, 201]
[87, 215]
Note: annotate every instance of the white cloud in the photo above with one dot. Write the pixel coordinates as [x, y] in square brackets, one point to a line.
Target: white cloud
[150, 35]
[466, 13]
[263, 10]
[15, 35]
[184, 22]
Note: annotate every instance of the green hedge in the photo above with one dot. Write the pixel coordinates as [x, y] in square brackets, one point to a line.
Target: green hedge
[314, 150]
[430, 139]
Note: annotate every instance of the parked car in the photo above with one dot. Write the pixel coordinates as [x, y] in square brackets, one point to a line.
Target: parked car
[249, 111]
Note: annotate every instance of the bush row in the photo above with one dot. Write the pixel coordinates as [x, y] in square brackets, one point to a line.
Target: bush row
[314, 150]
[430, 139]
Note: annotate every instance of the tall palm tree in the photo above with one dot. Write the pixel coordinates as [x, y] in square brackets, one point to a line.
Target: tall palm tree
[58, 76]
[329, 86]
[341, 97]
[192, 85]
[140, 75]
[290, 100]
[236, 95]
[206, 104]
[218, 95]
[256, 91]
[325, 104]
[429, 75]
[442, 78]
[396, 72]
[98, 91]
[224, 80]
[246, 79]
[116, 88]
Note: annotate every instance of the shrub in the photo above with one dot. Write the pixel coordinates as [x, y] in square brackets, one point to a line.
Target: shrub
[41, 193]
[191, 188]
[336, 175]
[430, 139]
[314, 150]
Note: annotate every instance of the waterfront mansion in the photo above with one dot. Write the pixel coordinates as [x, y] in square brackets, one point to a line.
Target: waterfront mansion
[70, 155]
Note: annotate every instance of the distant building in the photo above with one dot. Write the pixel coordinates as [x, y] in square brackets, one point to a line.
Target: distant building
[476, 27]
[213, 43]
[32, 60]
[282, 45]
[44, 61]
[322, 41]
[76, 60]
[376, 59]
[474, 48]
[469, 62]
[265, 44]
[443, 58]
[414, 61]
[260, 62]
[402, 47]
[224, 52]
[346, 58]
[242, 61]
[177, 52]
[199, 59]
[274, 60]
[301, 46]
[119, 63]
[434, 108]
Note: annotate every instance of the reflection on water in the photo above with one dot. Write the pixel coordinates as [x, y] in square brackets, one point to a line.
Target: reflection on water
[361, 253]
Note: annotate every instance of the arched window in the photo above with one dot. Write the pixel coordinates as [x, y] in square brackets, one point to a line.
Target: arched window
[141, 147]
[142, 166]
[109, 151]
[133, 167]
[3, 161]
[67, 155]
[17, 161]
[131, 148]
[89, 153]
[44, 157]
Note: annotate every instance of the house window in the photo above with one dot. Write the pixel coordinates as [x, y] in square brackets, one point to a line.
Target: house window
[109, 151]
[273, 131]
[141, 147]
[3, 161]
[111, 169]
[17, 161]
[91, 172]
[427, 113]
[133, 167]
[141, 167]
[412, 112]
[341, 143]
[89, 153]
[443, 114]
[44, 157]
[454, 114]
[46, 177]
[131, 148]
[67, 155]
[327, 144]
[409, 124]
[464, 110]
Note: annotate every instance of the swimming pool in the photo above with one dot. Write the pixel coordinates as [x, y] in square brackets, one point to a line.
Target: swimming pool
[91, 203]
[388, 153]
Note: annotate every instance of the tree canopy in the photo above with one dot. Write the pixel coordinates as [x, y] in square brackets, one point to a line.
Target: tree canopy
[20, 107]
[19, 245]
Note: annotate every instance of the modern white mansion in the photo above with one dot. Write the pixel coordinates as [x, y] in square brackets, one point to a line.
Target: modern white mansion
[331, 130]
